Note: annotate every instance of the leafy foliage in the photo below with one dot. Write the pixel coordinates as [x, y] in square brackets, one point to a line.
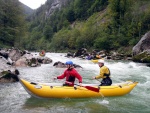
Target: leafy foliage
[11, 22]
[93, 24]
[60, 20]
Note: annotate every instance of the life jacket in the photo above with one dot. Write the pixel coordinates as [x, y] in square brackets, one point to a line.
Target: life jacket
[70, 78]
[107, 75]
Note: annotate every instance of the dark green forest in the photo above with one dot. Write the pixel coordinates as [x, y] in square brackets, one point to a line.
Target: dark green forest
[12, 23]
[93, 24]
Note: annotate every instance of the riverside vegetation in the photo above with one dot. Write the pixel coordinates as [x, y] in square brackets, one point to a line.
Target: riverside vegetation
[100, 24]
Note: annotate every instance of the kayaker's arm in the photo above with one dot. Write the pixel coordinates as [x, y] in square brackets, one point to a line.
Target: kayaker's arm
[62, 76]
[101, 74]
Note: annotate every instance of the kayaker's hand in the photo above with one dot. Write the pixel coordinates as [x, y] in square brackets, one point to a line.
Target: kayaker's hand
[93, 77]
[80, 84]
[55, 78]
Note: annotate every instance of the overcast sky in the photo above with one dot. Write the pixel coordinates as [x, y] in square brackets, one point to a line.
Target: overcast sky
[34, 4]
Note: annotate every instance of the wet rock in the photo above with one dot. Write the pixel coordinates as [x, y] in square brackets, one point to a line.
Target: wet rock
[69, 54]
[143, 57]
[142, 45]
[80, 52]
[9, 76]
[32, 61]
[141, 51]
[3, 64]
[22, 62]
[44, 60]
[62, 65]
[14, 54]
[59, 64]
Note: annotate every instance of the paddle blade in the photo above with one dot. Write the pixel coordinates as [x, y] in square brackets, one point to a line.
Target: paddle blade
[92, 88]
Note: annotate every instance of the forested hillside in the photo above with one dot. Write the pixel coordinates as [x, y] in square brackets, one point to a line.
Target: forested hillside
[93, 24]
[12, 24]
[27, 10]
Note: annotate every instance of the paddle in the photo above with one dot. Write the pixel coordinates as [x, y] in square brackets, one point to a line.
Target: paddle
[91, 88]
[100, 92]
[88, 87]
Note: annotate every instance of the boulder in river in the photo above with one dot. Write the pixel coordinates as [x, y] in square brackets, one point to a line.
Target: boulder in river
[62, 65]
[141, 51]
[9, 76]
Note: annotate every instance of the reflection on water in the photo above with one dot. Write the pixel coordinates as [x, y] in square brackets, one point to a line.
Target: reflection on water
[14, 99]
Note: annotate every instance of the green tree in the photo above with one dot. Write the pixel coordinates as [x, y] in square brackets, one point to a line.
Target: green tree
[11, 22]
[48, 32]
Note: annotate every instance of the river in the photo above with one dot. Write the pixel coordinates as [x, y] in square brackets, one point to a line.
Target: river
[14, 98]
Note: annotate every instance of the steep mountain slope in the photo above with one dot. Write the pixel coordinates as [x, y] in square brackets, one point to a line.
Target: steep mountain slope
[27, 10]
[101, 24]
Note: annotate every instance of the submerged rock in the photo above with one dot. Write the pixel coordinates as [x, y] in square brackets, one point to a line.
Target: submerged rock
[62, 65]
[9, 76]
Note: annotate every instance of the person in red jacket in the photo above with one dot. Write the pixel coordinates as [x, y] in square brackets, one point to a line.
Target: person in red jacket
[70, 74]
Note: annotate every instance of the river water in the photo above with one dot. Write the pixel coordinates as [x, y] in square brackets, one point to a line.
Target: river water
[14, 98]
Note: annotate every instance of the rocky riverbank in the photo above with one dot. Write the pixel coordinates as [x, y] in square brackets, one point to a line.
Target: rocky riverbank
[12, 58]
[140, 52]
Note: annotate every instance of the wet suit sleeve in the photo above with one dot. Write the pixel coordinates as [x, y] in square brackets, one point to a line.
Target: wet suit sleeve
[62, 76]
[101, 74]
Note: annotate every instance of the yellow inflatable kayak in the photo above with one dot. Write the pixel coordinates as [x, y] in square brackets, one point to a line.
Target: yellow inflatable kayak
[57, 90]
[95, 61]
